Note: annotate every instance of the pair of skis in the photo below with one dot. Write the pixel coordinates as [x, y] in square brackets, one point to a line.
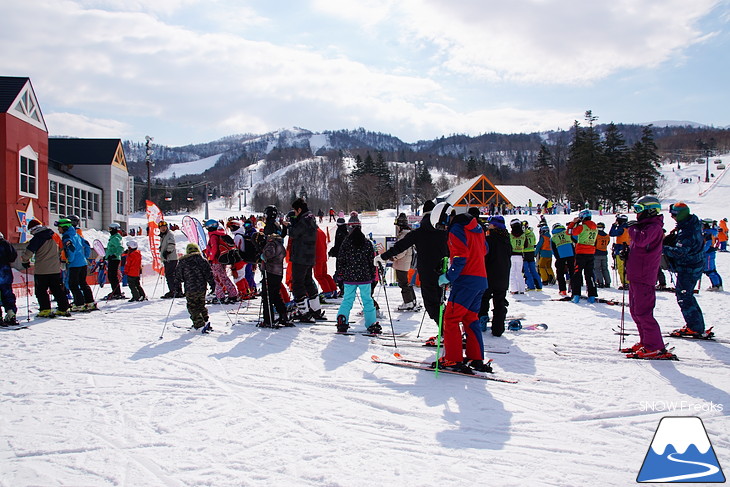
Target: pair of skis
[400, 361]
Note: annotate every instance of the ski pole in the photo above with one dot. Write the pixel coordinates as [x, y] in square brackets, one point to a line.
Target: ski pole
[623, 309]
[418, 335]
[159, 275]
[387, 306]
[444, 268]
[27, 293]
[168, 316]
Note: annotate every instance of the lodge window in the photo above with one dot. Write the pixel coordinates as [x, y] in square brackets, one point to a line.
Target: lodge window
[53, 197]
[28, 176]
[120, 202]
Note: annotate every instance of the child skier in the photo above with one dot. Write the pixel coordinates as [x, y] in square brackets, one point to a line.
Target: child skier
[564, 252]
[355, 269]
[113, 257]
[709, 232]
[584, 233]
[517, 240]
[7, 257]
[272, 269]
[133, 271]
[194, 271]
[600, 262]
[47, 275]
[402, 264]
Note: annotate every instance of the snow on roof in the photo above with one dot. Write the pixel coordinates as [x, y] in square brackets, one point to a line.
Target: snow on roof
[517, 195]
[520, 195]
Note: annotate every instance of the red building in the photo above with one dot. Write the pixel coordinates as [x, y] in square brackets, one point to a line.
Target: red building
[24, 160]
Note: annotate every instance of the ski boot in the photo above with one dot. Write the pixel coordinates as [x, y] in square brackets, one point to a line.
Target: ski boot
[575, 299]
[60, 312]
[342, 325]
[90, 307]
[514, 325]
[375, 329]
[10, 319]
[77, 308]
[479, 365]
[453, 366]
[644, 354]
[46, 313]
[206, 329]
[319, 315]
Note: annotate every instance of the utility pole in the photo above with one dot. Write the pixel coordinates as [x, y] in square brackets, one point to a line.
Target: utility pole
[206, 202]
[148, 161]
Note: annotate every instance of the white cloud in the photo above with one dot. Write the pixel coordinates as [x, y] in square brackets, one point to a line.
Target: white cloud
[72, 124]
[539, 41]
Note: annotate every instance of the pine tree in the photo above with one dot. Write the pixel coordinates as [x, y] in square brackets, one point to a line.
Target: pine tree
[615, 178]
[645, 164]
[545, 171]
[584, 163]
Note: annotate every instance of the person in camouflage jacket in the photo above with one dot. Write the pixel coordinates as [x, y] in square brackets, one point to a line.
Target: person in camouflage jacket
[195, 272]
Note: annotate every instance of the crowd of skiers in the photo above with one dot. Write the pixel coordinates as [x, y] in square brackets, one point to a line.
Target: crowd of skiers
[480, 260]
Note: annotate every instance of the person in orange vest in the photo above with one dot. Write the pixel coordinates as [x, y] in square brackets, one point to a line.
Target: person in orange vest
[133, 271]
[722, 235]
[620, 230]
[600, 261]
[329, 288]
[584, 233]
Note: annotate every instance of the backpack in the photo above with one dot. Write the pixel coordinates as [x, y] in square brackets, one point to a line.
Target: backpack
[228, 254]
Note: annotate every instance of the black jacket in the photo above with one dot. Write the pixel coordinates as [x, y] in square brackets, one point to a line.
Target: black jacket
[340, 236]
[195, 272]
[497, 260]
[431, 246]
[355, 262]
[303, 237]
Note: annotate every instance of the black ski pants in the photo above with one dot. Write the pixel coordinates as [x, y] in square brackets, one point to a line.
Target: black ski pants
[583, 264]
[113, 274]
[52, 282]
[79, 288]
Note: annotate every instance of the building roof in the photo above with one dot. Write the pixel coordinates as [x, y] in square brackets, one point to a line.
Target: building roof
[89, 152]
[479, 191]
[10, 87]
[53, 170]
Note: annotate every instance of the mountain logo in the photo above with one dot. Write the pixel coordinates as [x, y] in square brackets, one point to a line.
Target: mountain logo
[680, 452]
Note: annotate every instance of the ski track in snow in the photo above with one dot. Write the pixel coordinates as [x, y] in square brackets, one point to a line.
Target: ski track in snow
[102, 401]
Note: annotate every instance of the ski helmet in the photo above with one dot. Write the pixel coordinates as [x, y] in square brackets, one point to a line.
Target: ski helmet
[601, 225]
[233, 225]
[63, 224]
[440, 215]
[622, 218]
[679, 210]
[402, 220]
[75, 220]
[558, 227]
[113, 226]
[132, 244]
[271, 211]
[647, 206]
[585, 214]
[515, 223]
[162, 223]
[211, 224]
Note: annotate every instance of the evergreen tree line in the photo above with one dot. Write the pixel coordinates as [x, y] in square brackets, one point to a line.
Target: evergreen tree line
[599, 170]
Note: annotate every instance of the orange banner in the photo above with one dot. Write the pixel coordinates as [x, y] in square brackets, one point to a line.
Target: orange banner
[154, 216]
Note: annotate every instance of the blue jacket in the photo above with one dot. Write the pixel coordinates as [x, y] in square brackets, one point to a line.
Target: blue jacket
[686, 253]
[74, 248]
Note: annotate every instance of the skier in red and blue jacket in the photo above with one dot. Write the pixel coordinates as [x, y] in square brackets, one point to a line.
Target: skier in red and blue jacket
[467, 276]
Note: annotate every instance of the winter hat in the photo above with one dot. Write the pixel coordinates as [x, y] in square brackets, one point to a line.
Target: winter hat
[428, 206]
[497, 221]
[341, 221]
[474, 211]
[34, 222]
[402, 220]
[679, 210]
[132, 244]
[300, 204]
[192, 249]
[354, 219]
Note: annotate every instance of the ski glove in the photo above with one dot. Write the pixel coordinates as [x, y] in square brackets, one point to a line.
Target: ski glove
[443, 280]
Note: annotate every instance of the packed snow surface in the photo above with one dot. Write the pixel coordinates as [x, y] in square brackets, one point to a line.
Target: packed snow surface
[108, 399]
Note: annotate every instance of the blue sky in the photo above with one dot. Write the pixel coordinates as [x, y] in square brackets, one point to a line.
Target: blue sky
[188, 71]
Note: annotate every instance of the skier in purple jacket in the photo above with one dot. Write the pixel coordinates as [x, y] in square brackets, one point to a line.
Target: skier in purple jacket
[642, 266]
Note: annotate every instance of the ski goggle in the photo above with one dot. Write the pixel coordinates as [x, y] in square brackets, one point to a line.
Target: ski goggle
[677, 209]
[639, 207]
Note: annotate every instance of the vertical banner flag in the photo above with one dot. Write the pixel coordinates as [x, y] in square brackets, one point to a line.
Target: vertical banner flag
[189, 228]
[202, 237]
[154, 216]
